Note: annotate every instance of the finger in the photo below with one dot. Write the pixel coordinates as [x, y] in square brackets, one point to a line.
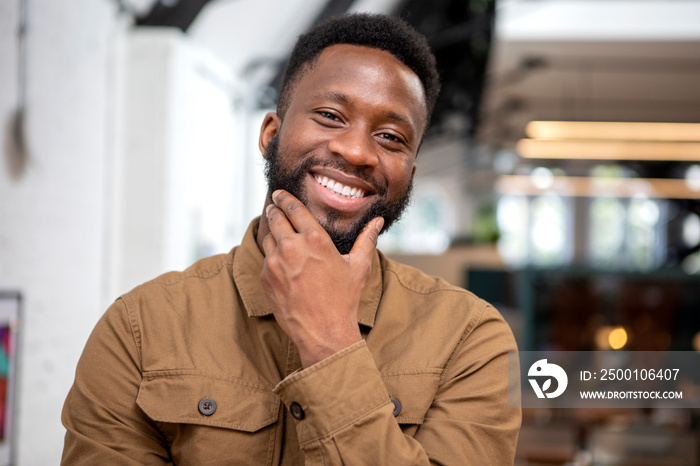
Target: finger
[297, 213]
[366, 242]
[278, 222]
[269, 244]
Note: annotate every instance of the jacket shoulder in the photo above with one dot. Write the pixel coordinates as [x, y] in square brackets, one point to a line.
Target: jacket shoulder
[169, 314]
[429, 298]
[416, 281]
[418, 308]
[202, 269]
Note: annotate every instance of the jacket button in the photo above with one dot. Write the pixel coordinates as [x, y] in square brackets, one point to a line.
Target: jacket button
[297, 411]
[207, 406]
[397, 407]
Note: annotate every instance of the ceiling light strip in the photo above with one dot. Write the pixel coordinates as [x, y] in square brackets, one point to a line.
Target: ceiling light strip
[608, 150]
[634, 131]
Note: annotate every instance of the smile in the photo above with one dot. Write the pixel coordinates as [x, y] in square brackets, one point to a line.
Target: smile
[338, 188]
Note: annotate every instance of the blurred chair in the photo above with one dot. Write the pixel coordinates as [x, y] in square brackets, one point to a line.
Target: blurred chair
[546, 445]
[642, 446]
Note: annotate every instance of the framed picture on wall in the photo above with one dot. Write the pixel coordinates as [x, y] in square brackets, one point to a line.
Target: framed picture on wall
[10, 306]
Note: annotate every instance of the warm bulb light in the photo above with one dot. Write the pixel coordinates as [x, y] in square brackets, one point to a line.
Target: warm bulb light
[608, 337]
[617, 338]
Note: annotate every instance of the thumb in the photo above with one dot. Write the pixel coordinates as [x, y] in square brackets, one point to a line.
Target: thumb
[366, 242]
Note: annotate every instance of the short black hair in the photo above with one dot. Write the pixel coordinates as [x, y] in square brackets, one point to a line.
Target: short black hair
[383, 32]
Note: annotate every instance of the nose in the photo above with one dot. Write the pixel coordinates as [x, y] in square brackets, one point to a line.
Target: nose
[355, 145]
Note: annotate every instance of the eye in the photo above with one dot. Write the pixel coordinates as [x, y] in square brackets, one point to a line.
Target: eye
[391, 137]
[329, 115]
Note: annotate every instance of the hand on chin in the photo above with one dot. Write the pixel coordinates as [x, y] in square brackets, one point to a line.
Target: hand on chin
[314, 291]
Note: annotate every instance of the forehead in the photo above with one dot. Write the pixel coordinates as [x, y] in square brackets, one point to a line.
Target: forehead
[374, 76]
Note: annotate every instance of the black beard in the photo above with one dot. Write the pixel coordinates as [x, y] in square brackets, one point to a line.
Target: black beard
[293, 182]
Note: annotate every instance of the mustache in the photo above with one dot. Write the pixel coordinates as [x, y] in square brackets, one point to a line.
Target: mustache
[338, 164]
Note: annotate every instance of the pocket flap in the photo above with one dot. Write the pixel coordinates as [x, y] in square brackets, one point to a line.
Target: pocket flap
[175, 398]
[415, 393]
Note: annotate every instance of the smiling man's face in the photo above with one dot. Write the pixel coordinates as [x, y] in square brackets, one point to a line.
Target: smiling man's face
[348, 141]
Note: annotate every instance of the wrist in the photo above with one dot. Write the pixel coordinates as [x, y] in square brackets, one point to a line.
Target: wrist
[312, 354]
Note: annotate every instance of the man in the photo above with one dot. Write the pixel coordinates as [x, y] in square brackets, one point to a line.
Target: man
[305, 345]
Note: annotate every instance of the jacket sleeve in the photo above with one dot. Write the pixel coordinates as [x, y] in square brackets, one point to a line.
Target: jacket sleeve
[344, 413]
[103, 423]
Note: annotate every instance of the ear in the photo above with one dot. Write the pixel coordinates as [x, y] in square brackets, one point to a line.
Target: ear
[413, 171]
[270, 127]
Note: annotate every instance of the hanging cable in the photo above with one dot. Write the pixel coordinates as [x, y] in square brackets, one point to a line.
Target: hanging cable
[17, 152]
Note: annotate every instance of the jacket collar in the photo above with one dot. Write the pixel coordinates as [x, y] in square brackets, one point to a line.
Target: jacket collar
[247, 267]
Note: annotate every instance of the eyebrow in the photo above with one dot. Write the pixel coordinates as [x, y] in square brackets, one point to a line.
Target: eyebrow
[331, 95]
[397, 117]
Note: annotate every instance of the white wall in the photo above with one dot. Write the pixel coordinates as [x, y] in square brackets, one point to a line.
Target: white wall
[51, 217]
[181, 180]
[142, 148]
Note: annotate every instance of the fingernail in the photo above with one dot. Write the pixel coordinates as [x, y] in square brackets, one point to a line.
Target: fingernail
[379, 224]
[267, 209]
[275, 195]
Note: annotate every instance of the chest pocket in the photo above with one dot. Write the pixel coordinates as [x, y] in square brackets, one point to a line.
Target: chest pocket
[208, 420]
[414, 393]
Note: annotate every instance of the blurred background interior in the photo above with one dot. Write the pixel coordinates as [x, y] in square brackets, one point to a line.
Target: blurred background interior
[559, 180]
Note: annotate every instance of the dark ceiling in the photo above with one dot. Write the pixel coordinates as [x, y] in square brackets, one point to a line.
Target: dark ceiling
[458, 31]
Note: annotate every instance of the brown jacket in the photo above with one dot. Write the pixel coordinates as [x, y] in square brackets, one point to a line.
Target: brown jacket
[192, 369]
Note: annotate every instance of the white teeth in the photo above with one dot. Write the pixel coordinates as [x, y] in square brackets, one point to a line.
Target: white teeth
[339, 188]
